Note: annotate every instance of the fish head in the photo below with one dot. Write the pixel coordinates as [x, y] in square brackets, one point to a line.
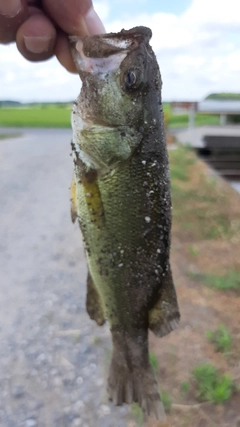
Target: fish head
[117, 73]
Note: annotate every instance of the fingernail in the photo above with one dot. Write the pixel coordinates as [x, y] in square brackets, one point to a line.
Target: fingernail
[10, 8]
[37, 44]
[94, 23]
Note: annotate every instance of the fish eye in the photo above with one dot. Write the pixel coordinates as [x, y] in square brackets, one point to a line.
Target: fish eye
[132, 79]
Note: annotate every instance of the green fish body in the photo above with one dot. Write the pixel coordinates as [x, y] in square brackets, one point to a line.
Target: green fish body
[123, 204]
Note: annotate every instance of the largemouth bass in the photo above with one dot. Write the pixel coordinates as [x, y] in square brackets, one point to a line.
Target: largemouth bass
[122, 200]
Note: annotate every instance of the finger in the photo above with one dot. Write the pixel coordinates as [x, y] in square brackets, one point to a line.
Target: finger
[63, 54]
[36, 37]
[12, 14]
[76, 17]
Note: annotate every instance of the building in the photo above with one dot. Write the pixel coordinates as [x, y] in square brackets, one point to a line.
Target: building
[223, 108]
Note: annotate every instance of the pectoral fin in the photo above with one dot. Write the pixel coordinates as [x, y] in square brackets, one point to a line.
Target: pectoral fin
[164, 316]
[93, 303]
[73, 201]
[94, 201]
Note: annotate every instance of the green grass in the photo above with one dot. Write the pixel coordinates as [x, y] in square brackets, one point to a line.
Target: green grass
[185, 387]
[137, 412]
[181, 120]
[36, 116]
[211, 385]
[199, 204]
[58, 115]
[181, 159]
[228, 281]
[153, 361]
[220, 338]
[193, 250]
[167, 401]
[9, 135]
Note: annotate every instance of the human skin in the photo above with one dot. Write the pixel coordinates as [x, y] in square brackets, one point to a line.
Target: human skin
[40, 27]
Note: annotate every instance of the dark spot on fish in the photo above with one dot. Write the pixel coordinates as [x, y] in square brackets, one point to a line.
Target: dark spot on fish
[123, 133]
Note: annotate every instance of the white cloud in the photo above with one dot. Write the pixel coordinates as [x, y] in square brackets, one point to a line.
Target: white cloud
[213, 13]
[102, 8]
[198, 53]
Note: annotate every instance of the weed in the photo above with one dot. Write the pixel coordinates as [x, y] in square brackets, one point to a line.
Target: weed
[220, 338]
[167, 401]
[137, 412]
[153, 361]
[185, 387]
[181, 159]
[211, 385]
[193, 250]
[230, 280]
[97, 340]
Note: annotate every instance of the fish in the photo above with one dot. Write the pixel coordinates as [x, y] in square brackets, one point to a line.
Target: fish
[121, 197]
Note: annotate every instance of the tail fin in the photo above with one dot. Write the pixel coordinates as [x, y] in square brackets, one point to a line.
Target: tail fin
[131, 378]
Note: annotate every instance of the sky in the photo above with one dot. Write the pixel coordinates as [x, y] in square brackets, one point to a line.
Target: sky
[197, 44]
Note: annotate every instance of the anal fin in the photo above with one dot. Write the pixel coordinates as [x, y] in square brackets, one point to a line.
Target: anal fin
[164, 316]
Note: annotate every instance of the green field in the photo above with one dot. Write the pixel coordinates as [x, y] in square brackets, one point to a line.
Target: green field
[181, 120]
[39, 116]
[58, 116]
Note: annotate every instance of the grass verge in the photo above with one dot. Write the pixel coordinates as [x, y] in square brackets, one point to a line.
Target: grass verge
[228, 281]
[200, 203]
[211, 385]
[220, 338]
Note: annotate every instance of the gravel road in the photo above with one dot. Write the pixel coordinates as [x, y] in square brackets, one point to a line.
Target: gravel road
[53, 359]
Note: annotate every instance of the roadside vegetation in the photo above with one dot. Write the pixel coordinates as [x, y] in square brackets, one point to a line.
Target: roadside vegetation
[228, 281]
[58, 115]
[220, 338]
[211, 385]
[199, 362]
[200, 205]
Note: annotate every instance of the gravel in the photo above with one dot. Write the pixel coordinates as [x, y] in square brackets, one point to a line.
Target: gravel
[53, 358]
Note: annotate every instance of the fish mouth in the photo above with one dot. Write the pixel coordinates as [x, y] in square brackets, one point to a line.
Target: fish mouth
[104, 52]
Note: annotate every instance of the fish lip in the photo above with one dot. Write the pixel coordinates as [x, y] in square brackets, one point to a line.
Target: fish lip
[101, 53]
[104, 45]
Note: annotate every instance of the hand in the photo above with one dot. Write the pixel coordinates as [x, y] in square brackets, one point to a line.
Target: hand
[40, 27]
